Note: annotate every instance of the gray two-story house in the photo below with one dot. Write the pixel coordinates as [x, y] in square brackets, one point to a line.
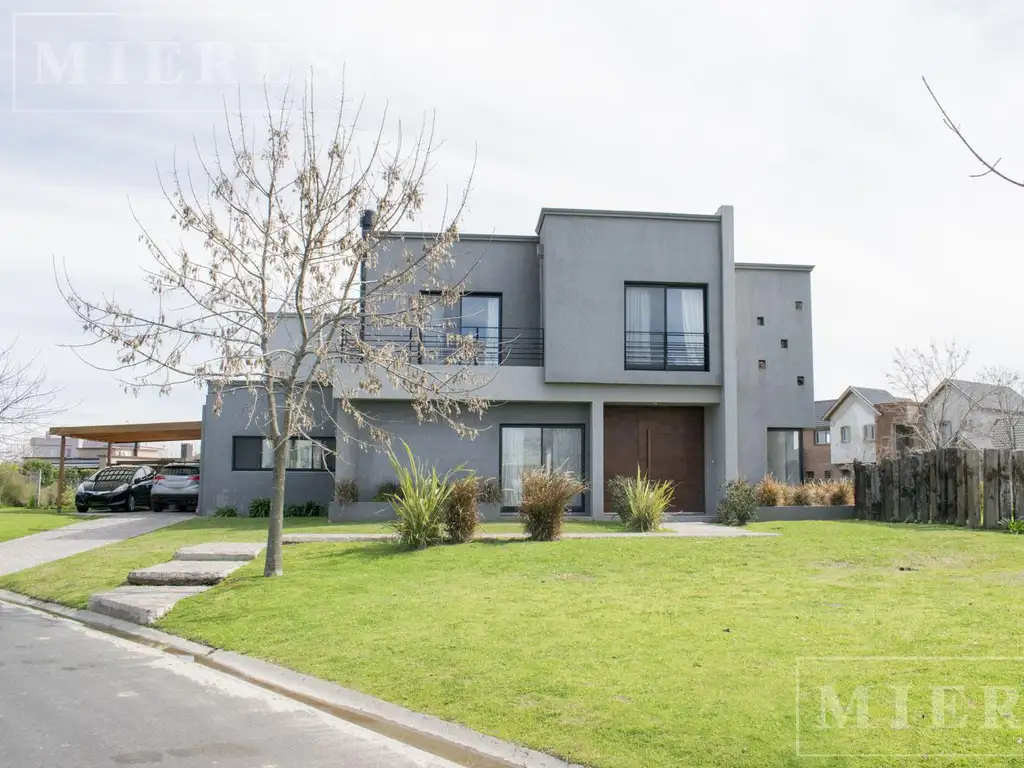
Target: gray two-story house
[612, 340]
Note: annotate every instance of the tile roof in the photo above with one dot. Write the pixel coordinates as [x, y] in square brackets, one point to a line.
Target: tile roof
[821, 407]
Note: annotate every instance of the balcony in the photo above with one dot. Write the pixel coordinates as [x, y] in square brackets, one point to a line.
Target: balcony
[497, 346]
[661, 351]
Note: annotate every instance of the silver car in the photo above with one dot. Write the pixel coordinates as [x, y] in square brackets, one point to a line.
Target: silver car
[176, 485]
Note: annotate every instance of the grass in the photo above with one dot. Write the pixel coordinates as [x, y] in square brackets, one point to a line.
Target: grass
[70, 581]
[630, 653]
[16, 522]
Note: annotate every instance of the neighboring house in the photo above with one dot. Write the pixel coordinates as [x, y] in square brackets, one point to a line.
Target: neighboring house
[972, 414]
[87, 453]
[861, 423]
[818, 445]
[612, 340]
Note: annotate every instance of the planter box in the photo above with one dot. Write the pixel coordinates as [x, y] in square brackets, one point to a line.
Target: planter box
[381, 512]
[785, 514]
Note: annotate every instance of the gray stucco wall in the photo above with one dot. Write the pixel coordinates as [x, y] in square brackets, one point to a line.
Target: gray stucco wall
[223, 486]
[588, 259]
[771, 397]
[439, 445]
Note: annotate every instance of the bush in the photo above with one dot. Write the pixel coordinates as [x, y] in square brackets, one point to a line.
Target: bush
[489, 492]
[648, 501]
[226, 511]
[419, 502]
[15, 489]
[308, 509]
[346, 492]
[840, 493]
[461, 515]
[46, 470]
[259, 507]
[388, 490]
[772, 493]
[739, 503]
[546, 496]
[1014, 525]
[616, 489]
[803, 495]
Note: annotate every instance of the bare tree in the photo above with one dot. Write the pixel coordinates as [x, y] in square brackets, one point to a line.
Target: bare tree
[1004, 406]
[937, 412]
[990, 166]
[281, 287]
[26, 400]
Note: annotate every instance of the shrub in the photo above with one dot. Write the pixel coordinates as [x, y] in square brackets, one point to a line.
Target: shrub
[460, 513]
[419, 502]
[259, 507]
[387, 491]
[738, 504]
[772, 493]
[546, 496]
[15, 489]
[648, 501]
[46, 470]
[803, 495]
[1014, 525]
[616, 488]
[346, 492]
[226, 511]
[840, 493]
[308, 509]
[489, 492]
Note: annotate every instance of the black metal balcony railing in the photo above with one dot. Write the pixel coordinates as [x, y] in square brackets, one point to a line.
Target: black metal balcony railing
[661, 351]
[493, 346]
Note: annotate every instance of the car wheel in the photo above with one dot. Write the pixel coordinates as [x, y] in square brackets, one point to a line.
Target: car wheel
[156, 506]
[131, 504]
[82, 507]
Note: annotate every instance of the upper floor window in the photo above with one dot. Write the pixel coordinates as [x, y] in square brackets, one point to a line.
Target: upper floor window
[666, 327]
[844, 434]
[476, 315]
[869, 431]
[945, 430]
[822, 437]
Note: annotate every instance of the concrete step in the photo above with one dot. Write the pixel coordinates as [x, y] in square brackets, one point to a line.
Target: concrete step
[223, 552]
[184, 573]
[141, 605]
[691, 517]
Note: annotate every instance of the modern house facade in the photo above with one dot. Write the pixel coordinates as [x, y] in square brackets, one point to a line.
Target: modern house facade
[87, 453]
[610, 341]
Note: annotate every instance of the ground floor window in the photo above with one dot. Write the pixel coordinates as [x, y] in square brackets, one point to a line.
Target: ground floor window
[250, 453]
[784, 455]
[533, 447]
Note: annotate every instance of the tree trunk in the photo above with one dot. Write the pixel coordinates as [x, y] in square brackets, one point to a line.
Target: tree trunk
[275, 564]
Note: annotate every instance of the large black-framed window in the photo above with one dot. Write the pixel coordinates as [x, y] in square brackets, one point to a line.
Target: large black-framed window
[785, 455]
[666, 327]
[255, 454]
[532, 446]
[475, 314]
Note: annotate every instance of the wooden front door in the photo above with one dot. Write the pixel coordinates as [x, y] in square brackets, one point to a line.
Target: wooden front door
[666, 443]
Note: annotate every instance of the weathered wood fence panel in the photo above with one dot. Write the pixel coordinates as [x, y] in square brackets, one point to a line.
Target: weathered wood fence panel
[967, 488]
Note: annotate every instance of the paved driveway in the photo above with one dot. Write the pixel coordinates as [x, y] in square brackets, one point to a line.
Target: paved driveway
[19, 554]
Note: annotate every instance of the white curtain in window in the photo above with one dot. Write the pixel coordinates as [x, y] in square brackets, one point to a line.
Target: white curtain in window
[513, 458]
[639, 324]
[686, 327]
[267, 455]
[481, 317]
[563, 449]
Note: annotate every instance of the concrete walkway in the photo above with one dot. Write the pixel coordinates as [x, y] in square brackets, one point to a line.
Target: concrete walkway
[673, 531]
[19, 554]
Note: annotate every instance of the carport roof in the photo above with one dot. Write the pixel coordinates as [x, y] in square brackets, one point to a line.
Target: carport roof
[134, 433]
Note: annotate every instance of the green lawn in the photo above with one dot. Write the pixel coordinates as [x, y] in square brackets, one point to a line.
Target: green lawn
[638, 653]
[16, 522]
[73, 579]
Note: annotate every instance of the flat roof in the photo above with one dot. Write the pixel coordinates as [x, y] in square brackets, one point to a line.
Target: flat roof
[777, 267]
[134, 433]
[469, 237]
[608, 214]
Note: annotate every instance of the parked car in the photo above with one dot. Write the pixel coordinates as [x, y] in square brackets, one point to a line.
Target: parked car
[176, 485]
[117, 487]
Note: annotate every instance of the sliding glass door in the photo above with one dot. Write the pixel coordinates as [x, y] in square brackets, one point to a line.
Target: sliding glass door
[524, 448]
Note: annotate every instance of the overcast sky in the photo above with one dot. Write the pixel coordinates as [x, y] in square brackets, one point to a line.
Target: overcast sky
[810, 118]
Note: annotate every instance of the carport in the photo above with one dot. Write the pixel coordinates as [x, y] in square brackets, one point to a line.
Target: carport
[112, 434]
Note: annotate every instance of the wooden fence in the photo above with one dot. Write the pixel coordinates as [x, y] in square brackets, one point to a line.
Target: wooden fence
[975, 489]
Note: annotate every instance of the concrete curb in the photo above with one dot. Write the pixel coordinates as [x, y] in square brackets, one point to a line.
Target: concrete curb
[450, 741]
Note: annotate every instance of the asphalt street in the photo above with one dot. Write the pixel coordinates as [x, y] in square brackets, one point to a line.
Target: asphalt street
[76, 698]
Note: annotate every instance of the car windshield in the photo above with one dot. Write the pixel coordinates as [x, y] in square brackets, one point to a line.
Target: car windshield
[115, 473]
[180, 470]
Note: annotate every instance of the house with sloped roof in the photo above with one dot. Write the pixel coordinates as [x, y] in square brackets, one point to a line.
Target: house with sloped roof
[971, 414]
[854, 420]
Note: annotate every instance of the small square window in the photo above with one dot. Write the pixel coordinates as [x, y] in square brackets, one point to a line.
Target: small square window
[785, 343]
[799, 305]
[760, 320]
[809, 475]
[761, 365]
[828, 474]
[799, 381]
